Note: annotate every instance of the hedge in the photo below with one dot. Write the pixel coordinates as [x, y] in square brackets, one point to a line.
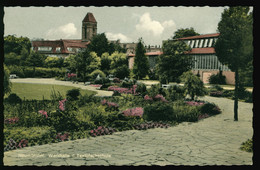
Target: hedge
[30, 72]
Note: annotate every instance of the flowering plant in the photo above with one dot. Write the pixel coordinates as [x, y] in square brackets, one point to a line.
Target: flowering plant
[149, 125]
[203, 116]
[123, 90]
[101, 130]
[23, 143]
[11, 120]
[43, 112]
[137, 111]
[71, 75]
[62, 104]
[194, 103]
[63, 137]
[110, 105]
[158, 97]
[95, 85]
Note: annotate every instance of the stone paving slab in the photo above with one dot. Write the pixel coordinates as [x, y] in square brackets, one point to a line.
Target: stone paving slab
[212, 141]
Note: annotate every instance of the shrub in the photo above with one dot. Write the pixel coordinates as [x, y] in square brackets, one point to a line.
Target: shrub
[149, 125]
[141, 88]
[97, 72]
[116, 80]
[247, 145]
[210, 109]
[34, 135]
[73, 94]
[110, 106]
[64, 120]
[137, 111]
[185, 113]
[158, 111]
[193, 85]
[217, 78]
[13, 98]
[101, 130]
[175, 92]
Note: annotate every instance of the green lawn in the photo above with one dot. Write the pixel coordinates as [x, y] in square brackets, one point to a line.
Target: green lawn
[37, 91]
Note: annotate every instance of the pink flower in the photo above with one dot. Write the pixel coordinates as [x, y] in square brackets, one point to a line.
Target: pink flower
[43, 112]
[138, 111]
[62, 104]
[148, 98]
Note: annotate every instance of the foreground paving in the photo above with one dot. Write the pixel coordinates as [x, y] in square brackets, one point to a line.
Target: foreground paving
[212, 141]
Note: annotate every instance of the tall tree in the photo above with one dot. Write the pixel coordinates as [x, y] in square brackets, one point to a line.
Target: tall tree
[234, 45]
[173, 62]
[119, 65]
[185, 32]
[99, 44]
[141, 63]
[15, 44]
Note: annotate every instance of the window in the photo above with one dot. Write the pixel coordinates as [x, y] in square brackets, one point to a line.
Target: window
[45, 49]
[201, 43]
[205, 43]
[58, 49]
[70, 49]
[210, 42]
[196, 44]
[192, 43]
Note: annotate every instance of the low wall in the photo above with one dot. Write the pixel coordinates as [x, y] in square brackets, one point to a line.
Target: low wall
[205, 74]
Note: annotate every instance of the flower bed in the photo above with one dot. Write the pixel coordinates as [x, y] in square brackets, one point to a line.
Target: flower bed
[158, 97]
[11, 120]
[195, 103]
[96, 85]
[101, 130]
[137, 111]
[123, 90]
[149, 125]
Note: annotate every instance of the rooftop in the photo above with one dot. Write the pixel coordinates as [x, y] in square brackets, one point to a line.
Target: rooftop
[89, 18]
[200, 36]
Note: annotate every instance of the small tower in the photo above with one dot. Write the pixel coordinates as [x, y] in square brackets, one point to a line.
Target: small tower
[89, 27]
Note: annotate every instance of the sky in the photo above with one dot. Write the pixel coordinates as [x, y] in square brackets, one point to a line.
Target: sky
[153, 24]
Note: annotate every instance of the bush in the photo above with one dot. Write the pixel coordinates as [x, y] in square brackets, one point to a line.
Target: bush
[34, 135]
[41, 72]
[210, 109]
[64, 120]
[155, 90]
[141, 88]
[247, 145]
[158, 111]
[73, 94]
[185, 113]
[193, 85]
[217, 78]
[13, 99]
[97, 72]
[175, 93]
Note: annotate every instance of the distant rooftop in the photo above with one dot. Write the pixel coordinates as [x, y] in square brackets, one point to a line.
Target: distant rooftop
[199, 36]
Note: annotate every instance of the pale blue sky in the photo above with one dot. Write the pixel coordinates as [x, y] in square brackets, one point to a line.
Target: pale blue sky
[153, 24]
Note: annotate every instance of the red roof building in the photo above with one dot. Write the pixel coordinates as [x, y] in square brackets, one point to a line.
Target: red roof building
[63, 48]
[59, 47]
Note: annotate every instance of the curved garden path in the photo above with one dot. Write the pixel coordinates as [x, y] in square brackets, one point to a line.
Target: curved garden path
[212, 141]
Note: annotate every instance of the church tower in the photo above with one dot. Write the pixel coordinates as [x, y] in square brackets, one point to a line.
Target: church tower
[89, 27]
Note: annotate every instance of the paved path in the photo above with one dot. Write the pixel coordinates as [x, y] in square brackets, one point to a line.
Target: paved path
[212, 141]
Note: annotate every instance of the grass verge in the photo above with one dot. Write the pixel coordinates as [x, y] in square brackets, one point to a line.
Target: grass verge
[38, 91]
